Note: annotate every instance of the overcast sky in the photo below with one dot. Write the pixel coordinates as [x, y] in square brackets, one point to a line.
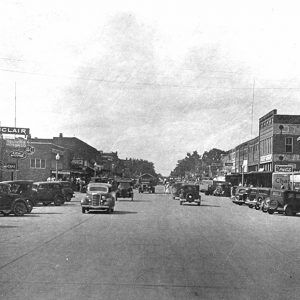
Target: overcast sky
[149, 79]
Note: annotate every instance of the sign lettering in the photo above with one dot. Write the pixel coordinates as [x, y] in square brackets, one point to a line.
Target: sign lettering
[18, 154]
[14, 130]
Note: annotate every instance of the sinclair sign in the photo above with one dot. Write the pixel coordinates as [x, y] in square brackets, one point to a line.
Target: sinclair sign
[14, 130]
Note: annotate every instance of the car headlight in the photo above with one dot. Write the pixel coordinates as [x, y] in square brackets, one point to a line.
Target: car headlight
[103, 197]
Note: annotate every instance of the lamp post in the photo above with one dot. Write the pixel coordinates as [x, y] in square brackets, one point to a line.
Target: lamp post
[57, 157]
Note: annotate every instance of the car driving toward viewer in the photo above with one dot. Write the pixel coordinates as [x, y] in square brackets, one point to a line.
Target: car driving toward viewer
[99, 197]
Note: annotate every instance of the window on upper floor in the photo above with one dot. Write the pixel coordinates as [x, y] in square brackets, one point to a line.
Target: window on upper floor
[37, 163]
[288, 145]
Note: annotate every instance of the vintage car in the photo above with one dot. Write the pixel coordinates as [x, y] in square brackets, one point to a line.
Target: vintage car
[124, 189]
[24, 189]
[12, 203]
[47, 192]
[99, 196]
[283, 201]
[257, 196]
[189, 193]
[146, 187]
[175, 189]
[241, 194]
[67, 190]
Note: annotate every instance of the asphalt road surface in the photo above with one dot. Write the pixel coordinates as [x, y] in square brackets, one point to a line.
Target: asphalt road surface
[150, 248]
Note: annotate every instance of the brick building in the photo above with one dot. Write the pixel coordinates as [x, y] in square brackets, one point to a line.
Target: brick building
[278, 144]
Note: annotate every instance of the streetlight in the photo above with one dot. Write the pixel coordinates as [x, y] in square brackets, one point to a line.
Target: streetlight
[57, 157]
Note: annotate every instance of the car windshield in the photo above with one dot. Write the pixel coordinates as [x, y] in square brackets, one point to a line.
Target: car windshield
[124, 185]
[98, 189]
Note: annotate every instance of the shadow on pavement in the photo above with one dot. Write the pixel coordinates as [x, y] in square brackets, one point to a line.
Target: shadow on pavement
[116, 212]
[4, 226]
[128, 200]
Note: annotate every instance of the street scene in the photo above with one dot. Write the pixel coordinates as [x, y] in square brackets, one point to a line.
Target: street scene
[149, 150]
[150, 248]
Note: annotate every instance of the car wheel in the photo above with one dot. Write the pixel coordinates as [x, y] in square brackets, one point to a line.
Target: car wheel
[270, 211]
[180, 202]
[198, 203]
[20, 208]
[250, 206]
[83, 210]
[5, 214]
[68, 198]
[46, 203]
[257, 207]
[58, 201]
[288, 211]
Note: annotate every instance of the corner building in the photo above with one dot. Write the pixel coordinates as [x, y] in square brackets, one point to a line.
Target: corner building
[278, 144]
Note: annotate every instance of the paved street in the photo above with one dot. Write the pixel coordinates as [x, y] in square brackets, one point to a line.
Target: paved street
[151, 248]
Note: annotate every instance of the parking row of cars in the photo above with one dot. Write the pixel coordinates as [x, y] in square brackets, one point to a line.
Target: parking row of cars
[268, 200]
[18, 197]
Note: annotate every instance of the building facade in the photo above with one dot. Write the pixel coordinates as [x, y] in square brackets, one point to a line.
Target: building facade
[276, 146]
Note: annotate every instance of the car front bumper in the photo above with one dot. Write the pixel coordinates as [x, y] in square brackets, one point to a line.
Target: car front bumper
[93, 207]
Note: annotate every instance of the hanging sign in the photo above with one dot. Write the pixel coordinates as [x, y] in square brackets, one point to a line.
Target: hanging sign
[18, 154]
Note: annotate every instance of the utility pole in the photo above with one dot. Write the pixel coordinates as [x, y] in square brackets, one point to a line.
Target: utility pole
[252, 108]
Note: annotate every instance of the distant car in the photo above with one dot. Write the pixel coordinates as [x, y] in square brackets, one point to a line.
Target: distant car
[284, 201]
[124, 190]
[67, 190]
[241, 194]
[146, 187]
[24, 189]
[47, 192]
[175, 190]
[257, 196]
[189, 193]
[11, 202]
[99, 197]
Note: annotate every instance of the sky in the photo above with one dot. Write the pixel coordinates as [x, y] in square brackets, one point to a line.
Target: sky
[149, 79]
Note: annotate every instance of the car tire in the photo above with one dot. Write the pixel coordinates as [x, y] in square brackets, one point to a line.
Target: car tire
[68, 198]
[58, 201]
[180, 202]
[270, 211]
[288, 211]
[198, 203]
[20, 209]
[46, 203]
[5, 214]
[250, 206]
[83, 210]
[257, 207]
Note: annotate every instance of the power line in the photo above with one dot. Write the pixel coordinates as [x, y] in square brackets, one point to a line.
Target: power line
[148, 83]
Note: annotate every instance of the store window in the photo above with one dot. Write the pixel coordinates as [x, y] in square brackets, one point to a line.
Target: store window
[37, 163]
[288, 145]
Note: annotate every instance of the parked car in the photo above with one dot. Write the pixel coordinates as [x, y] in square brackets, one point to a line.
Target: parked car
[11, 202]
[24, 189]
[67, 190]
[46, 192]
[284, 201]
[124, 189]
[256, 197]
[99, 197]
[241, 194]
[175, 189]
[189, 193]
